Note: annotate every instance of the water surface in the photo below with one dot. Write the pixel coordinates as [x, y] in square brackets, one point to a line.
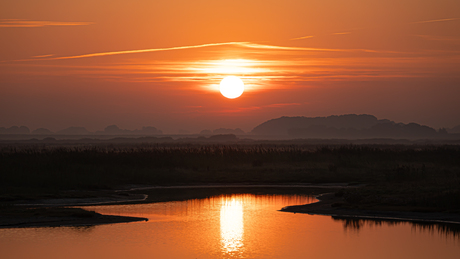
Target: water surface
[230, 226]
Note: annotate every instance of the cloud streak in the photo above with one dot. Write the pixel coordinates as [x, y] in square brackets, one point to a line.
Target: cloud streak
[438, 20]
[436, 38]
[240, 44]
[302, 38]
[43, 56]
[18, 23]
[335, 33]
[110, 53]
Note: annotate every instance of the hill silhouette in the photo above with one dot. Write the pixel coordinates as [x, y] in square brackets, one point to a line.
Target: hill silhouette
[281, 126]
[344, 126]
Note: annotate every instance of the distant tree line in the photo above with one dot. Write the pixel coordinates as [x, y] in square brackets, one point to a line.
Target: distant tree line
[109, 130]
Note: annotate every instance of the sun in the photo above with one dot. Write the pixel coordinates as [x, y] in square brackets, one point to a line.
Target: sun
[231, 87]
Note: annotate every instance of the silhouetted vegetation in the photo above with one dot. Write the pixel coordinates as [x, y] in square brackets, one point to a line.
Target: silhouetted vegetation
[416, 177]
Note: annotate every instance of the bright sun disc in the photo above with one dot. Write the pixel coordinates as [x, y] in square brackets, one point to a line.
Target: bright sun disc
[231, 87]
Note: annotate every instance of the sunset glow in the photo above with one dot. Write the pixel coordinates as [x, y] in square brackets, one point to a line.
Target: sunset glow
[155, 63]
[231, 66]
[204, 129]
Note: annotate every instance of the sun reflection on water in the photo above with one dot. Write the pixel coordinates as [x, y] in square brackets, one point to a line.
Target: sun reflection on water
[231, 225]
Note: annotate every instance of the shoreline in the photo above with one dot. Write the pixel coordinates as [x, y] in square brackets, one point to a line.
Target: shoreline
[328, 205]
[55, 212]
[132, 195]
[72, 222]
[69, 211]
[58, 217]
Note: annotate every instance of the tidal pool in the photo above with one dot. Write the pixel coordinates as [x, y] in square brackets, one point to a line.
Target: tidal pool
[231, 226]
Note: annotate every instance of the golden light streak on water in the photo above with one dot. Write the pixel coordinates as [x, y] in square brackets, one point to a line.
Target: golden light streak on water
[231, 225]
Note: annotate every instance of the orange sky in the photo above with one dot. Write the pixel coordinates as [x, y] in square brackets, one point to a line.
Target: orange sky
[159, 63]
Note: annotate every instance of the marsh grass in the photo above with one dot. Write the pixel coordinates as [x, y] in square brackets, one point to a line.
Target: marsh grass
[397, 175]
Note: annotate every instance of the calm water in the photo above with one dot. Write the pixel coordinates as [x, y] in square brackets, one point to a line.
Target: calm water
[230, 226]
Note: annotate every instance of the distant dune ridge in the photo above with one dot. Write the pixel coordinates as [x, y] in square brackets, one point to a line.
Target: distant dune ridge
[345, 126]
[281, 126]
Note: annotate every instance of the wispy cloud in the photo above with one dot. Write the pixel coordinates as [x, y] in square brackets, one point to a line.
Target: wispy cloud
[27, 23]
[438, 20]
[436, 38]
[240, 44]
[302, 38]
[341, 33]
[274, 47]
[43, 56]
[335, 33]
[110, 53]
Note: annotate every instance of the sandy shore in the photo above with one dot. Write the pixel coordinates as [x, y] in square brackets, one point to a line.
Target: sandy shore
[330, 205]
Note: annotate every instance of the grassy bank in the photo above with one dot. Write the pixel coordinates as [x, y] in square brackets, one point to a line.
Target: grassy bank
[418, 176]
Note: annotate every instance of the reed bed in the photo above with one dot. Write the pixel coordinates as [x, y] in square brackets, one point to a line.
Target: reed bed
[389, 170]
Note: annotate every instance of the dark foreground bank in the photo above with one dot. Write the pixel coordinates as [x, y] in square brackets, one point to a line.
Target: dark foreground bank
[399, 178]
